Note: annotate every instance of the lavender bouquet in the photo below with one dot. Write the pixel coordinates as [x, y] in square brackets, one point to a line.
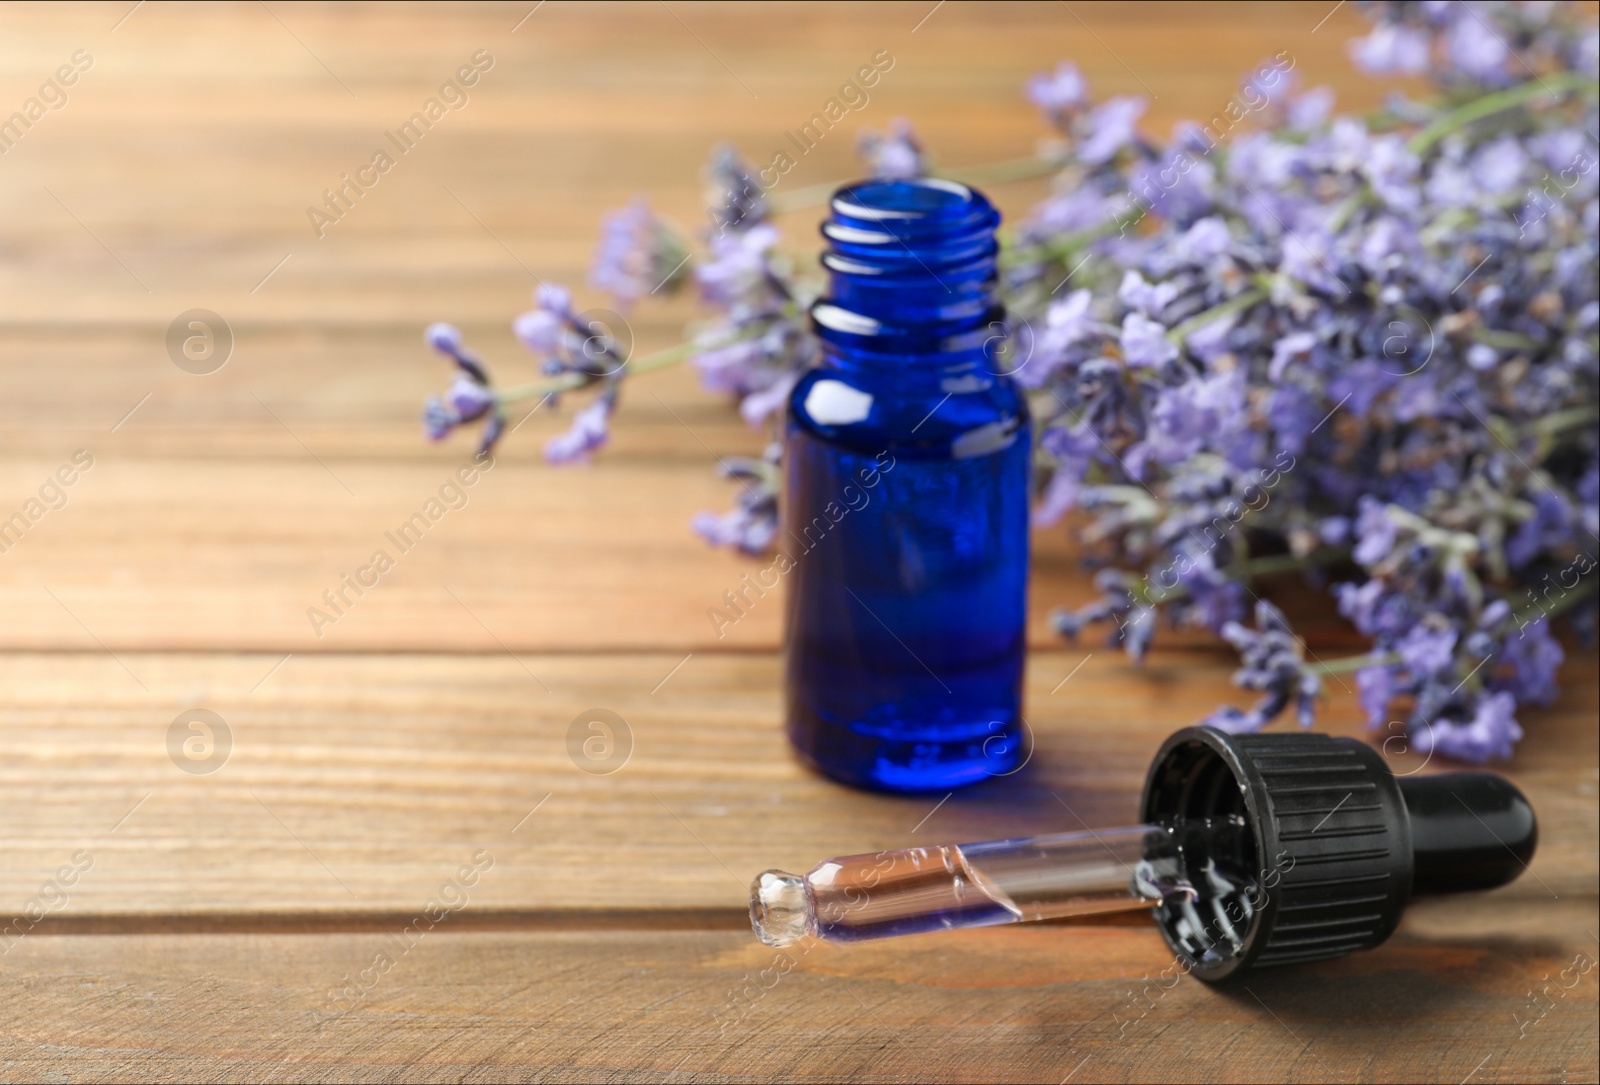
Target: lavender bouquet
[1363, 348]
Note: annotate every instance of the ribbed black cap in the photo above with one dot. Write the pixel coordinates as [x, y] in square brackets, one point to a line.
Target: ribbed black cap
[1326, 864]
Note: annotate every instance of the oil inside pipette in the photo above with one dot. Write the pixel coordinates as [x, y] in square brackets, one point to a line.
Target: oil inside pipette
[908, 891]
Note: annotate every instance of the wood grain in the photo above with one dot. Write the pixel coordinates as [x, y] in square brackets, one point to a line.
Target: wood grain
[429, 723]
[357, 783]
[1046, 1003]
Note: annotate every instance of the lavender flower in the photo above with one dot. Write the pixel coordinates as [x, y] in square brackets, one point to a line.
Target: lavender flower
[1477, 50]
[590, 429]
[1392, 49]
[1324, 343]
[1059, 94]
[752, 524]
[470, 397]
[1315, 303]
[1110, 128]
[734, 201]
[568, 342]
[1145, 343]
[637, 256]
[1490, 731]
[759, 341]
[895, 155]
[1271, 664]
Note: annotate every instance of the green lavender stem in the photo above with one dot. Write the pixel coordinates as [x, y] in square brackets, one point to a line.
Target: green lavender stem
[1498, 102]
[568, 381]
[1354, 663]
[1232, 305]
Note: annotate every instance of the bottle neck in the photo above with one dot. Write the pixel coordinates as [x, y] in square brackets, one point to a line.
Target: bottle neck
[912, 276]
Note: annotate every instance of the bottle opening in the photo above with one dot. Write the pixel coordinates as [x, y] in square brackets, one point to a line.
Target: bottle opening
[912, 269]
[927, 199]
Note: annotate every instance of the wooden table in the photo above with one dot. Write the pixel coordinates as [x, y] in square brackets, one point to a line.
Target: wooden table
[225, 925]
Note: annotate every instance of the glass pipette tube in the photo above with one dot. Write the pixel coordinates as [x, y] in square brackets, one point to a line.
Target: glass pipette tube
[1021, 880]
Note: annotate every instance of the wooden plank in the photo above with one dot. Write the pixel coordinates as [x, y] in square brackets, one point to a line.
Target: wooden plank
[321, 397]
[191, 150]
[356, 783]
[1046, 1003]
[236, 552]
[200, 554]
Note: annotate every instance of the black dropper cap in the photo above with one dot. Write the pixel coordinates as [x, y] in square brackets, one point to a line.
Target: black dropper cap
[1334, 847]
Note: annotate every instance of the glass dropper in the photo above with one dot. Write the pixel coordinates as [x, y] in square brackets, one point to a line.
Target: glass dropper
[1021, 880]
[1259, 850]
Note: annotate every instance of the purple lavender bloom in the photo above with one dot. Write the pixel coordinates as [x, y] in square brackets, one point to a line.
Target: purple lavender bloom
[1293, 414]
[492, 431]
[546, 328]
[1069, 335]
[763, 403]
[437, 419]
[1359, 385]
[734, 200]
[729, 367]
[540, 331]
[1144, 342]
[1076, 209]
[1491, 732]
[1392, 49]
[896, 155]
[1203, 242]
[1376, 530]
[1534, 656]
[444, 338]
[637, 255]
[1271, 663]
[1138, 629]
[469, 399]
[1110, 128]
[1451, 184]
[1117, 603]
[1061, 91]
[554, 297]
[1376, 687]
[741, 528]
[1388, 246]
[471, 395]
[1476, 49]
[1308, 257]
[1500, 166]
[1377, 609]
[1550, 525]
[1073, 450]
[1258, 159]
[737, 266]
[1428, 650]
[1287, 349]
[1148, 299]
[590, 430]
[1311, 109]
[1212, 339]
[752, 524]
[1392, 170]
[1188, 416]
[1215, 601]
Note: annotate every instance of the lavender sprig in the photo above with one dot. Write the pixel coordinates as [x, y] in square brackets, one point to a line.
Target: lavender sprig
[1365, 349]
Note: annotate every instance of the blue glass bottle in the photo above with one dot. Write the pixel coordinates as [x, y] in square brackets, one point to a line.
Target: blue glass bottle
[906, 501]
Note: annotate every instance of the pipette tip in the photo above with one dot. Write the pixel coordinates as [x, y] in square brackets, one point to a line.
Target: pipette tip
[778, 908]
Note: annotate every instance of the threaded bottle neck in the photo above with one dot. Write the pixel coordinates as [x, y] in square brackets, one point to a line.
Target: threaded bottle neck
[912, 272]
